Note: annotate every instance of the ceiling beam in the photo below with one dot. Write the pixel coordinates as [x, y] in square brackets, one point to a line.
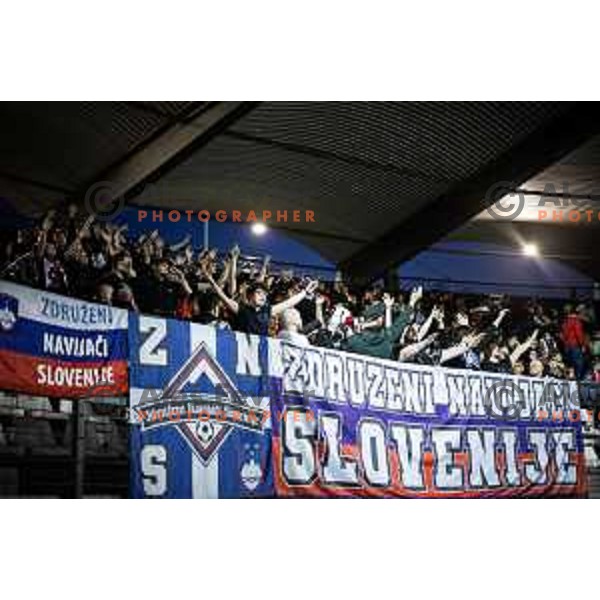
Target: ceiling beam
[34, 183]
[327, 155]
[463, 201]
[165, 151]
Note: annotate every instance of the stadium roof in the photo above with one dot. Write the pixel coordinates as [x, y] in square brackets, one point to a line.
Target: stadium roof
[386, 179]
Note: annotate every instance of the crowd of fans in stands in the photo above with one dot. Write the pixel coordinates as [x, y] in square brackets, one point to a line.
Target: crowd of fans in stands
[76, 255]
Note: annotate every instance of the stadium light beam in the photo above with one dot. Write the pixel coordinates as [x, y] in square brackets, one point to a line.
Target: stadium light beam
[259, 229]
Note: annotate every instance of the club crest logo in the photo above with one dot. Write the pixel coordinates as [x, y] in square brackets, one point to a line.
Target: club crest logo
[251, 472]
[9, 309]
[205, 420]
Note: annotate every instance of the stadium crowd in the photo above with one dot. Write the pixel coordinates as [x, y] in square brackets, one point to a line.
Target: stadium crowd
[74, 254]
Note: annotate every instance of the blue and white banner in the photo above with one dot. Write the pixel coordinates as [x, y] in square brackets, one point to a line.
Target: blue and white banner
[220, 414]
[199, 411]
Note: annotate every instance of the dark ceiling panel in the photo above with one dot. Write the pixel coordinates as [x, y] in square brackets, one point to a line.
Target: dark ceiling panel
[436, 140]
[66, 144]
[542, 147]
[170, 109]
[362, 166]
[27, 199]
[233, 173]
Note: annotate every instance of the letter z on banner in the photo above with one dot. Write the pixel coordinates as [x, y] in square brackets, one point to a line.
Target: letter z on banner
[199, 412]
[60, 347]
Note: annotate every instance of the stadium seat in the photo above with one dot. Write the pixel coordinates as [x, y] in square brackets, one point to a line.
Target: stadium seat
[8, 406]
[36, 436]
[103, 438]
[30, 403]
[7, 400]
[9, 482]
[50, 416]
[66, 407]
[7, 446]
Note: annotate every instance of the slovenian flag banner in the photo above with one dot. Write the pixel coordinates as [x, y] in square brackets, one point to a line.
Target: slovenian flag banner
[55, 346]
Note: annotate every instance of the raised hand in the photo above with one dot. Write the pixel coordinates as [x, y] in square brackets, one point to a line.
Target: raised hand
[473, 340]
[48, 220]
[388, 300]
[311, 286]
[415, 296]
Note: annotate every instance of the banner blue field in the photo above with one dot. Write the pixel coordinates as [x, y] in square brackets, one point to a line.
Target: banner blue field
[200, 419]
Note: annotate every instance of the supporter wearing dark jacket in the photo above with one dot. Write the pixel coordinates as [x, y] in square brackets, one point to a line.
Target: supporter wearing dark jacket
[254, 315]
[163, 293]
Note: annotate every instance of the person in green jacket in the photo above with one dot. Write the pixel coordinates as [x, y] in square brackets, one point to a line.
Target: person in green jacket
[380, 342]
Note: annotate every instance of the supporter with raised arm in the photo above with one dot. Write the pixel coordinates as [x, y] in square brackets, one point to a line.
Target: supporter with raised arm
[52, 275]
[164, 291]
[436, 316]
[467, 344]
[381, 342]
[253, 315]
[410, 352]
[83, 257]
[264, 270]
[373, 313]
[234, 256]
[515, 355]
[182, 244]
